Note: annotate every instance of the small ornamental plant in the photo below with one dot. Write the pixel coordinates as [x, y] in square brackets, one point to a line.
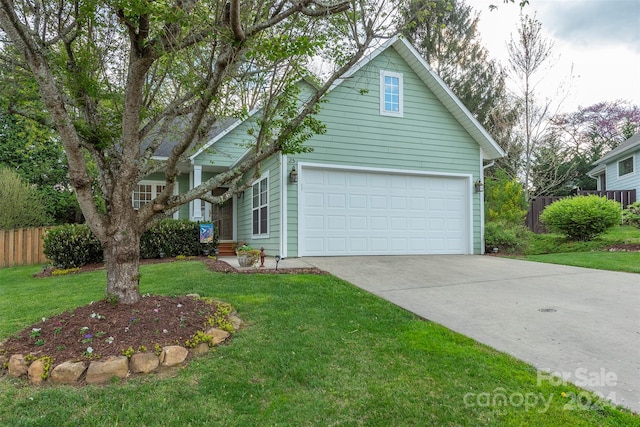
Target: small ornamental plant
[247, 256]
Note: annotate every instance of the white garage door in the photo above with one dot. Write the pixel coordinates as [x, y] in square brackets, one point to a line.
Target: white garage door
[346, 212]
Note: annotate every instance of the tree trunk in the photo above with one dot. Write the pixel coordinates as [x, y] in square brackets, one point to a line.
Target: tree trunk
[122, 256]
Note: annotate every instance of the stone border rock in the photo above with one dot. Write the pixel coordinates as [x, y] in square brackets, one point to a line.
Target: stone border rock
[39, 370]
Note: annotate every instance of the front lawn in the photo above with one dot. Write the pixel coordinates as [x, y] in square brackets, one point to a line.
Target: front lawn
[614, 261]
[318, 351]
[556, 249]
[549, 243]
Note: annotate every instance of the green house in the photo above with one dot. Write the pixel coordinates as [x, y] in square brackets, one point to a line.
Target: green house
[398, 172]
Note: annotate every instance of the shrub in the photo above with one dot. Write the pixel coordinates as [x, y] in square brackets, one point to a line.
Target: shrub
[631, 215]
[72, 245]
[75, 245]
[20, 203]
[581, 217]
[504, 200]
[173, 238]
[506, 237]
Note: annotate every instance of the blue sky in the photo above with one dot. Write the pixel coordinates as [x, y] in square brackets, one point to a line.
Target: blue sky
[596, 41]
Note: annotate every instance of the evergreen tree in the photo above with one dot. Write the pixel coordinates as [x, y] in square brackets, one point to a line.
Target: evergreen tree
[445, 32]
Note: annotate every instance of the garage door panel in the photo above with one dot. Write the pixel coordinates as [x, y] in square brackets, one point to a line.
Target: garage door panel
[378, 202]
[359, 213]
[357, 201]
[313, 200]
[399, 202]
[336, 222]
[398, 224]
[379, 223]
[335, 200]
[379, 245]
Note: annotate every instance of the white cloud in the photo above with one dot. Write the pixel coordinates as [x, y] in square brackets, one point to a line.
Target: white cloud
[593, 22]
[598, 39]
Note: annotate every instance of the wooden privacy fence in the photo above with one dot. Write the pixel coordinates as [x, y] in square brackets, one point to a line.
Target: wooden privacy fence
[537, 205]
[23, 246]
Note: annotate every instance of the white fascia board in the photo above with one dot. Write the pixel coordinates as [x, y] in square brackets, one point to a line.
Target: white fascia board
[368, 57]
[441, 90]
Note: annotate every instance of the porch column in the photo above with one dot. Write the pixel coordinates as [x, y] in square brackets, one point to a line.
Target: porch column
[196, 205]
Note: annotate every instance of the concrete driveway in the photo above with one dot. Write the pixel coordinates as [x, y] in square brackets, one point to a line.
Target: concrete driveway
[581, 323]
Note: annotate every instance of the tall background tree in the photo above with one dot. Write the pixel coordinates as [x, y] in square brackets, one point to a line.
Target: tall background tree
[36, 155]
[116, 76]
[529, 54]
[581, 138]
[445, 32]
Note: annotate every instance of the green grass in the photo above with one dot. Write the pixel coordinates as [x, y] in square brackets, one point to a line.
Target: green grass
[556, 249]
[614, 261]
[556, 243]
[318, 351]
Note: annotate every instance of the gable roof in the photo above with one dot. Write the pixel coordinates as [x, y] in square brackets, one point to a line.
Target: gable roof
[621, 149]
[624, 148]
[491, 149]
[178, 127]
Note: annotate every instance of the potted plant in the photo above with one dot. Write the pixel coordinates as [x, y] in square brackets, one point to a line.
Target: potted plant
[247, 256]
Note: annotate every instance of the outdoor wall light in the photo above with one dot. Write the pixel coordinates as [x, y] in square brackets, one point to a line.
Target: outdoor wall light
[479, 186]
[293, 176]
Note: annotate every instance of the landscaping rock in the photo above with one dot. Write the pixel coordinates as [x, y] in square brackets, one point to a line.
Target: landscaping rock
[173, 355]
[201, 348]
[67, 372]
[36, 371]
[114, 366]
[193, 295]
[18, 366]
[236, 322]
[217, 335]
[143, 363]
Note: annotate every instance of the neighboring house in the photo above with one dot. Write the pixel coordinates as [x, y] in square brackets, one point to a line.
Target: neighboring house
[618, 169]
[397, 172]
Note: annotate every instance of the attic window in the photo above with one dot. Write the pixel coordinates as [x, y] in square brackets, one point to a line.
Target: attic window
[625, 167]
[391, 97]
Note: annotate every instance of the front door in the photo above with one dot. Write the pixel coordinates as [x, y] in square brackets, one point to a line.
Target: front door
[222, 216]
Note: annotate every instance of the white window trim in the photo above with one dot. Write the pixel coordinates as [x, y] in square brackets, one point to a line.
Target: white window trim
[257, 181]
[633, 166]
[153, 184]
[383, 111]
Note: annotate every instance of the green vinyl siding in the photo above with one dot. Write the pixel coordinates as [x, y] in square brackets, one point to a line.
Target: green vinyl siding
[271, 244]
[426, 138]
[228, 149]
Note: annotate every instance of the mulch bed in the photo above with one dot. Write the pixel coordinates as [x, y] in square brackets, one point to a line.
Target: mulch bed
[626, 247]
[102, 329]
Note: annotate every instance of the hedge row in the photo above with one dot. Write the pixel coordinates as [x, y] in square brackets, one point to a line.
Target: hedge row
[74, 245]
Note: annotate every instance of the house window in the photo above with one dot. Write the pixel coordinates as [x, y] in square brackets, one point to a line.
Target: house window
[260, 192]
[145, 192]
[625, 166]
[391, 94]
